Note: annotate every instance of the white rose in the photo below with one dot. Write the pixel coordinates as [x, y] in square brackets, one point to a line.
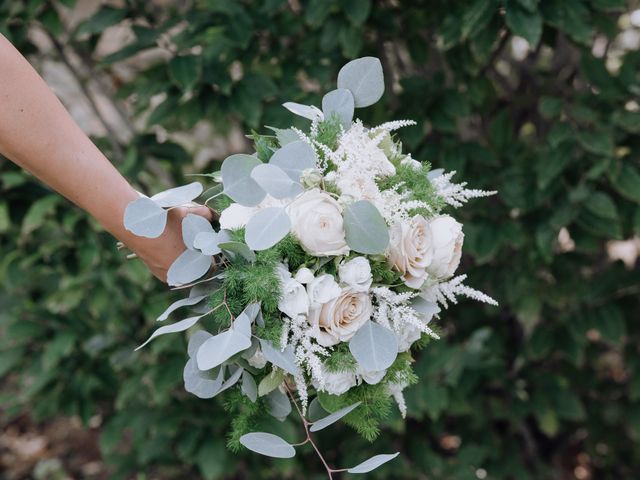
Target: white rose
[411, 250]
[294, 300]
[237, 216]
[372, 378]
[304, 275]
[337, 383]
[316, 221]
[339, 319]
[447, 239]
[356, 273]
[323, 289]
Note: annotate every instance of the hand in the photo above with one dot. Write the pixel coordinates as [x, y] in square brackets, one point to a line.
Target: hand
[158, 254]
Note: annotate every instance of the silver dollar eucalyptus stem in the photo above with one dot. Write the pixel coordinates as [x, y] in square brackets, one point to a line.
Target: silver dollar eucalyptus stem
[306, 424]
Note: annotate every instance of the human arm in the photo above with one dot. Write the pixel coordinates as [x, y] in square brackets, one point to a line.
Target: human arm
[38, 134]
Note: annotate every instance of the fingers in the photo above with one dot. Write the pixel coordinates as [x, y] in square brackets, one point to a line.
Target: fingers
[203, 211]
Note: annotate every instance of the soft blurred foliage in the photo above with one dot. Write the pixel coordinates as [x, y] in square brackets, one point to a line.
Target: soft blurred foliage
[532, 98]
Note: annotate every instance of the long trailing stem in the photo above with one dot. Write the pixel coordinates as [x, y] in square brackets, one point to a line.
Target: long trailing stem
[309, 439]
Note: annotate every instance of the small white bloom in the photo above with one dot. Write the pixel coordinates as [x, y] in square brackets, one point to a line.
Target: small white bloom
[356, 273]
[304, 275]
[336, 383]
[316, 221]
[416, 165]
[411, 250]
[372, 378]
[407, 335]
[339, 319]
[311, 178]
[323, 289]
[447, 238]
[257, 360]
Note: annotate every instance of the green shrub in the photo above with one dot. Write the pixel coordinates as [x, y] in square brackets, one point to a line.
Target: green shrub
[547, 382]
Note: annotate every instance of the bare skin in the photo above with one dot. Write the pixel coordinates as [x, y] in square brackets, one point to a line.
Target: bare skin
[38, 134]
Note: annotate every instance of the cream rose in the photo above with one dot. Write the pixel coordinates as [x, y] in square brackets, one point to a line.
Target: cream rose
[340, 318]
[336, 383]
[356, 274]
[411, 250]
[316, 221]
[447, 239]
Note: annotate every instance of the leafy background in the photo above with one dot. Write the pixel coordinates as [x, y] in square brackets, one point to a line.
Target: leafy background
[537, 99]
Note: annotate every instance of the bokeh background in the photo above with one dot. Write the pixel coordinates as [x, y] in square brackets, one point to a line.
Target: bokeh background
[537, 99]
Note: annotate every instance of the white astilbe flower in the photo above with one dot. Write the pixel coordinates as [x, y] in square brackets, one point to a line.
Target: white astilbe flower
[394, 311]
[450, 290]
[456, 194]
[395, 390]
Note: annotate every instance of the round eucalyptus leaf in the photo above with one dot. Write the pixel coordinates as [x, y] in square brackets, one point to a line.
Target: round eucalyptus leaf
[373, 463]
[266, 228]
[339, 102]
[374, 347]
[240, 249]
[275, 181]
[310, 112]
[425, 308]
[242, 324]
[220, 348]
[192, 225]
[278, 404]
[285, 359]
[364, 78]
[285, 136]
[196, 340]
[143, 217]
[238, 184]
[366, 231]
[333, 417]
[189, 266]
[249, 387]
[232, 380]
[267, 444]
[207, 243]
[175, 197]
[294, 158]
[180, 326]
[435, 173]
[201, 384]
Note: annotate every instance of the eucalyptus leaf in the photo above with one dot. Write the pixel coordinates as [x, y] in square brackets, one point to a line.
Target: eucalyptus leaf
[374, 347]
[180, 326]
[239, 248]
[192, 225]
[278, 404]
[184, 302]
[196, 340]
[252, 310]
[267, 444]
[189, 266]
[207, 243]
[249, 387]
[177, 196]
[373, 463]
[294, 158]
[266, 228]
[285, 359]
[425, 308]
[316, 411]
[435, 173]
[145, 218]
[333, 417]
[366, 231]
[364, 78]
[307, 111]
[242, 324]
[339, 102]
[269, 383]
[275, 181]
[201, 384]
[220, 348]
[285, 136]
[232, 380]
[238, 184]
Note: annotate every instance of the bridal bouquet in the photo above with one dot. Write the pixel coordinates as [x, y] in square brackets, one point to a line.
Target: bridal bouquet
[331, 259]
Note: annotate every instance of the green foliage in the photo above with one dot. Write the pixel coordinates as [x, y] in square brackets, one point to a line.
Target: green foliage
[410, 180]
[328, 131]
[531, 389]
[341, 359]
